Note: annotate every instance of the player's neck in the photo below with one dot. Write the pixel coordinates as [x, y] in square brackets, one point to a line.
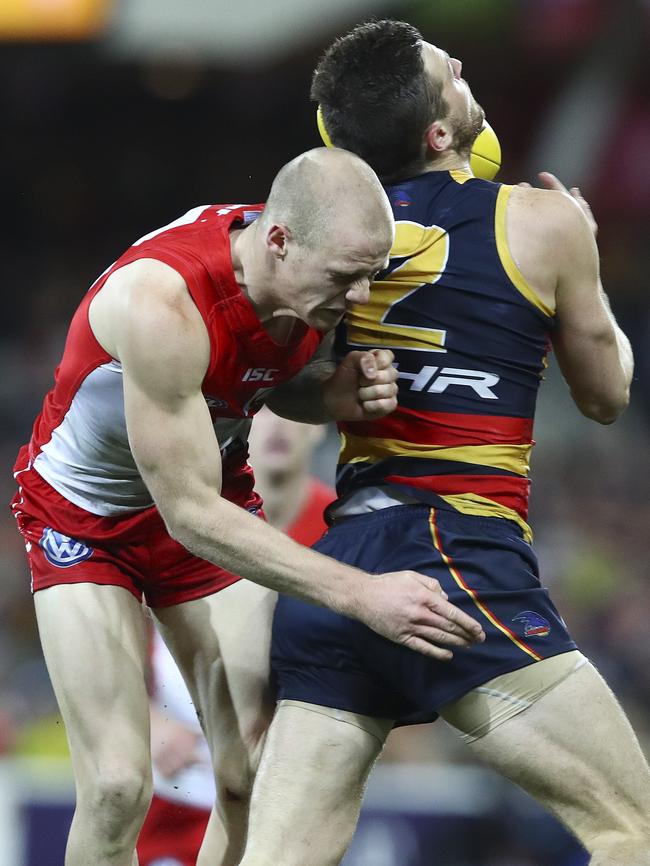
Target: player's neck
[450, 160]
[247, 268]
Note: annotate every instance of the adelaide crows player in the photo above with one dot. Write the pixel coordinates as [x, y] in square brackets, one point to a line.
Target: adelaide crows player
[482, 279]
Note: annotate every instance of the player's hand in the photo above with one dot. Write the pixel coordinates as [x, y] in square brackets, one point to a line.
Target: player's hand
[174, 746]
[363, 386]
[412, 609]
[550, 181]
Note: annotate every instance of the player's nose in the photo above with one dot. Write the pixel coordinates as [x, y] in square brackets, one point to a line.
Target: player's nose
[359, 292]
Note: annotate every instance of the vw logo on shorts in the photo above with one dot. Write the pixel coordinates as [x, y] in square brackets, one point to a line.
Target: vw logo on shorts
[61, 550]
[166, 861]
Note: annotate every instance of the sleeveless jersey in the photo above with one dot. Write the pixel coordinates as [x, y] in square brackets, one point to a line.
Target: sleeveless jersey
[470, 338]
[79, 443]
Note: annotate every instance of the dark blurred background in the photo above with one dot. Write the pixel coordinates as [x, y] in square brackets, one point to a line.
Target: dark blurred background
[119, 116]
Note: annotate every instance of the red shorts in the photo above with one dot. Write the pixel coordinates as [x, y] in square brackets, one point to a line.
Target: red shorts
[171, 834]
[66, 544]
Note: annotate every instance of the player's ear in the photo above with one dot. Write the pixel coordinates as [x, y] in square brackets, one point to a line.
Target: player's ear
[277, 238]
[439, 136]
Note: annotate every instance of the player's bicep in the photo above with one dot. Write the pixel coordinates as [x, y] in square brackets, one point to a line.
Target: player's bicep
[585, 336]
[173, 443]
[164, 352]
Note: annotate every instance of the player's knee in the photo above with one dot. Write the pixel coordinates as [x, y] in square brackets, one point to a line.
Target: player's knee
[253, 739]
[236, 766]
[231, 797]
[119, 800]
[235, 779]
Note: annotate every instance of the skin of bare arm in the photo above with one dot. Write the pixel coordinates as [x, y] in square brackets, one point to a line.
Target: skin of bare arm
[363, 386]
[551, 234]
[146, 319]
[301, 398]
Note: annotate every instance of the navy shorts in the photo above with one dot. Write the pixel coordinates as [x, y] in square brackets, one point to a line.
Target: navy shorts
[483, 564]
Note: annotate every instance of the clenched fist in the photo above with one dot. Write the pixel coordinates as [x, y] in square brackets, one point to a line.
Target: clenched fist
[363, 386]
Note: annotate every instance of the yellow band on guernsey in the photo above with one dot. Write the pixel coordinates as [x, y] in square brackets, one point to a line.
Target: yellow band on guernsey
[481, 506]
[514, 274]
[460, 175]
[511, 458]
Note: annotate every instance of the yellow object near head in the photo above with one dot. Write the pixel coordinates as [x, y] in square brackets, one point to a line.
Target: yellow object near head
[485, 158]
[327, 141]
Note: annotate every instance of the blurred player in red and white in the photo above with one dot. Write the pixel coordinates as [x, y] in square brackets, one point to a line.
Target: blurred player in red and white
[183, 778]
[280, 453]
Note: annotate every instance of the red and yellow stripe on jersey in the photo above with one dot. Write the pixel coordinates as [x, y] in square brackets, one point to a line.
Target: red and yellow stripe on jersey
[470, 338]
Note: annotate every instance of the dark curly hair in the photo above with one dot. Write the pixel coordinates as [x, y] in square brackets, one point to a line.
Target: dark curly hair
[376, 97]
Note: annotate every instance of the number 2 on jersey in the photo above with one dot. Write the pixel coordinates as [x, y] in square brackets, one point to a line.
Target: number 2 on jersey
[417, 260]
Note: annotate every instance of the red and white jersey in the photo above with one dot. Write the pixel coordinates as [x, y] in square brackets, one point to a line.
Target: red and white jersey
[309, 524]
[79, 443]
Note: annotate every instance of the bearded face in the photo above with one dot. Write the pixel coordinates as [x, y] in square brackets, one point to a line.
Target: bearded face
[466, 129]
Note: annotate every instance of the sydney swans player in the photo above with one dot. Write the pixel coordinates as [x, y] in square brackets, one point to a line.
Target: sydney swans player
[482, 277]
[135, 484]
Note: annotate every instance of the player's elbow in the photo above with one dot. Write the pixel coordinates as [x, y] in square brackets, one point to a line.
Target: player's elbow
[177, 521]
[182, 518]
[177, 528]
[606, 409]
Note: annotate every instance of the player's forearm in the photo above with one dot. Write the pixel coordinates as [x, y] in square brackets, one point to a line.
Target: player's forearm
[626, 358]
[601, 390]
[232, 538]
[302, 398]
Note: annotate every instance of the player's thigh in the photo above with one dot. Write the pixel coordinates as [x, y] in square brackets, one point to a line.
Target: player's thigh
[221, 644]
[576, 753]
[94, 642]
[310, 784]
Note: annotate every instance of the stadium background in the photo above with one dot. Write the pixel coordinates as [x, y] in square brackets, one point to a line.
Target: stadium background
[119, 116]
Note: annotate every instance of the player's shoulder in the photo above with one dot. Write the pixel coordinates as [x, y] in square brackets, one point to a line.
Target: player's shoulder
[148, 299]
[147, 285]
[547, 211]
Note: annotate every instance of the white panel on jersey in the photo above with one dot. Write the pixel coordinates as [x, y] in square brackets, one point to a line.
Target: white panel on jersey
[190, 217]
[88, 459]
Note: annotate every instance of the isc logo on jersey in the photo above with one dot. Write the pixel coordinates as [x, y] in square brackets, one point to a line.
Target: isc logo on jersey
[259, 374]
[437, 379]
[61, 550]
